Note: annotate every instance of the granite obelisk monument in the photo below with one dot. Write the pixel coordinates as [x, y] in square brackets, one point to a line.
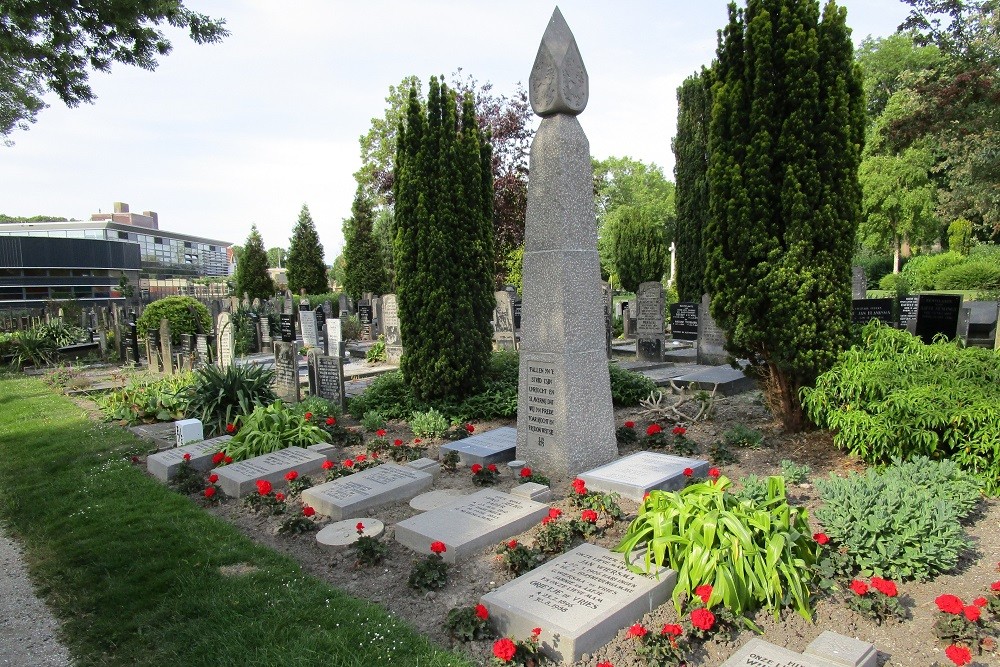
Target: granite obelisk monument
[565, 421]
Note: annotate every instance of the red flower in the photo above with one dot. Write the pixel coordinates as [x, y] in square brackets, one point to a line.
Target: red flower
[280, 497]
[589, 516]
[579, 486]
[327, 465]
[417, 441]
[228, 459]
[644, 496]
[504, 649]
[604, 664]
[349, 463]
[470, 428]
[653, 429]
[308, 511]
[330, 421]
[688, 472]
[679, 430]
[209, 492]
[859, 587]
[360, 527]
[702, 619]
[555, 512]
[217, 457]
[995, 587]
[704, 592]
[213, 478]
[360, 458]
[821, 538]
[308, 416]
[958, 655]
[135, 459]
[630, 424]
[292, 475]
[397, 442]
[535, 632]
[525, 472]
[481, 612]
[714, 473]
[476, 468]
[380, 433]
[492, 467]
[885, 587]
[438, 547]
[674, 630]
[637, 631]
[263, 487]
[186, 457]
[230, 428]
[949, 604]
[972, 613]
[980, 602]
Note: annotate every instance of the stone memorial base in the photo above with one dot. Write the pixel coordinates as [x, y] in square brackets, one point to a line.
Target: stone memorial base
[496, 446]
[164, 465]
[580, 600]
[240, 479]
[355, 494]
[827, 650]
[470, 523]
[634, 476]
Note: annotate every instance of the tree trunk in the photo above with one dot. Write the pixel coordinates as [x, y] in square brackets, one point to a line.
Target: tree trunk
[895, 254]
[782, 396]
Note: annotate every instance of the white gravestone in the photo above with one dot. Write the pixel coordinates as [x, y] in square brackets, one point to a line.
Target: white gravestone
[758, 652]
[333, 336]
[393, 334]
[240, 479]
[187, 431]
[307, 322]
[226, 340]
[164, 465]
[496, 446]
[634, 476]
[352, 496]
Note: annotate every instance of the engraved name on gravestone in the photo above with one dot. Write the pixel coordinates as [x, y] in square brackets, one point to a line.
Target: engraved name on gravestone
[326, 377]
[684, 320]
[352, 496]
[649, 317]
[496, 446]
[859, 283]
[165, 465]
[307, 325]
[286, 322]
[265, 330]
[634, 476]
[240, 479]
[334, 337]
[286, 372]
[864, 311]
[201, 348]
[711, 339]
[365, 318]
[827, 650]
[226, 341]
[393, 336]
[908, 312]
[503, 321]
[563, 338]
[938, 314]
[166, 347]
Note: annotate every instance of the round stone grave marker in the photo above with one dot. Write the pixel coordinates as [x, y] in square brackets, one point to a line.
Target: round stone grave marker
[345, 532]
[517, 465]
[434, 499]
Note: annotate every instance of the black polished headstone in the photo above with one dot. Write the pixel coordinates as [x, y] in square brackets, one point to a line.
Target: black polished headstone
[938, 314]
[864, 311]
[287, 324]
[684, 320]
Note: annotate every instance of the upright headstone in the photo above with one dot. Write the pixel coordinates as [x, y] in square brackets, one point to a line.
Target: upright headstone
[287, 325]
[201, 350]
[286, 372]
[153, 350]
[225, 340]
[859, 283]
[365, 318]
[307, 322]
[565, 422]
[503, 321]
[684, 320]
[265, 334]
[711, 339]
[133, 338]
[393, 335]
[187, 351]
[864, 311]
[908, 312]
[628, 331]
[651, 302]
[938, 314]
[377, 324]
[608, 330]
[326, 377]
[344, 309]
[334, 338]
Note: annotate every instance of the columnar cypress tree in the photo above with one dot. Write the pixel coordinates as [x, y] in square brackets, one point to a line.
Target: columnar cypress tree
[444, 246]
[694, 114]
[252, 277]
[364, 265]
[786, 133]
[306, 268]
[640, 246]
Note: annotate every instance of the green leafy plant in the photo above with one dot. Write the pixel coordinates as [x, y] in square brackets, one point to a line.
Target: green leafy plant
[298, 524]
[185, 313]
[268, 429]
[879, 600]
[431, 572]
[450, 461]
[430, 424]
[217, 396]
[61, 334]
[721, 454]
[401, 451]
[628, 388]
[376, 353]
[555, 535]
[752, 489]
[680, 444]
[147, 398]
[487, 475]
[743, 436]
[517, 558]
[600, 502]
[694, 532]
[373, 421]
[625, 434]
[187, 480]
[466, 624]
[794, 473]
[370, 550]
[32, 347]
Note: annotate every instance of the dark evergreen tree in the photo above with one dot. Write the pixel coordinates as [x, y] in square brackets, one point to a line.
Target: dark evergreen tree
[694, 115]
[364, 268]
[639, 243]
[786, 136]
[306, 268]
[252, 277]
[443, 190]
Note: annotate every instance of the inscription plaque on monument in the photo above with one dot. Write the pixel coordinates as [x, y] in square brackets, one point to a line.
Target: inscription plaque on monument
[393, 337]
[225, 340]
[286, 372]
[908, 312]
[864, 311]
[365, 316]
[684, 320]
[938, 314]
[544, 406]
[307, 322]
[286, 321]
[326, 377]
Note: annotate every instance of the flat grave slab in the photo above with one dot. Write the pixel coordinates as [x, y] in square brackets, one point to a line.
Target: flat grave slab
[434, 499]
[343, 533]
[827, 650]
[161, 434]
[353, 495]
[634, 476]
[496, 446]
[164, 465]
[240, 479]
[580, 600]
[731, 381]
[470, 523]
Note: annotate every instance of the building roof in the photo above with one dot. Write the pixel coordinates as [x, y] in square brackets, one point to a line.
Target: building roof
[105, 224]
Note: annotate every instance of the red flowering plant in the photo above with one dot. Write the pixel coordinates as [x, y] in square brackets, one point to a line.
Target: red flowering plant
[878, 599]
[379, 444]
[484, 475]
[337, 433]
[298, 524]
[523, 652]
[555, 534]
[626, 434]
[680, 444]
[602, 503]
[212, 493]
[297, 483]
[518, 558]
[431, 572]
[404, 451]
[368, 549]
[466, 624]
[264, 500]
[655, 438]
[588, 524]
[666, 647]
[526, 475]
[459, 431]
[968, 626]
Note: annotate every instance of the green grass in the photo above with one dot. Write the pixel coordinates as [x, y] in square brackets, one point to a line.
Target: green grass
[132, 569]
[967, 295]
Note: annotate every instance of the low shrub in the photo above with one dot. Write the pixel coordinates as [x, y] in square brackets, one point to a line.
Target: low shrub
[921, 271]
[875, 265]
[268, 429]
[430, 424]
[982, 275]
[185, 314]
[147, 398]
[628, 388]
[743, 436]
[895, 282]
[218, 396]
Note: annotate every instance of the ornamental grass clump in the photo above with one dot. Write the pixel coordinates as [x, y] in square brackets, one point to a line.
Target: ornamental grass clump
[217, 396]
[268, 429]
[753, 555]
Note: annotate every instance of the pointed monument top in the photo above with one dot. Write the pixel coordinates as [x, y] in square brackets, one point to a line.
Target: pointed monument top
[558, 81]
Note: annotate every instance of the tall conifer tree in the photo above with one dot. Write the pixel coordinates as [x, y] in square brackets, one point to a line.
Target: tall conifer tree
[306, 268]
[252, 277]
[364, 269]
[786, 135]
[444, 246]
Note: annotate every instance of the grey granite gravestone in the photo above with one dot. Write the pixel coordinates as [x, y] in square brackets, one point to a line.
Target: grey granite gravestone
[565, 421]
[711, 339]
[352, 496]
[827, 650]
[503, 321]
[378, 327]
[608, 320]
[580, 600]
[393, 334]
[635, 475]
[983, 316]
[326, 377]
[684, 320]
[153, 351]
[265, 334]
[225, 340]
[365, 317]
[240, 479]
[470, 523]
[496, 446]
[286, 372]
[628, 330]
[650, 303]
[334, 338]
[166, 347]
[307, 323]
[344, 306]
[859, 283]
[164, 465]
[201, 349]
[964, 316]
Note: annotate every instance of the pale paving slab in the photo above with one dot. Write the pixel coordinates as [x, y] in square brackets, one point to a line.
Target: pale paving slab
[580, 600]
[470, 523]
[634, 476]
[434, 499]
[759, 653]
[240, 479]
[353, 495]
[343, 533]
[164, 465]
[496, 446]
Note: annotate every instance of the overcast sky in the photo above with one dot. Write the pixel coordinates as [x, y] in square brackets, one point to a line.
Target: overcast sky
[222, 136]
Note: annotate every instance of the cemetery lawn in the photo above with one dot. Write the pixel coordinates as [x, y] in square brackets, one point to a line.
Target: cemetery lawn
[140, 575]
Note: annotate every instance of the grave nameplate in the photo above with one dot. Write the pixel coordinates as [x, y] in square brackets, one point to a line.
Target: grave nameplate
[864, 311]
[634, 476]
[201, 348]
[711, 339]
[393, 335]
[187, 431]
[937, 314]
[684, 320]
[470, 523]
[333, 337]
[352, 496]
[226, 341]
[649, 349]
[496, 446]
[365, 315]
[649, 316]
[240, 479]
[544, 414]
[758, 652]
[580, 600]
[286, 372]
[908, 312]
[265, 330]
[287, 323]
[503, 321]
[166, 347]
[164, 465]
[307, 321]
[326, 377]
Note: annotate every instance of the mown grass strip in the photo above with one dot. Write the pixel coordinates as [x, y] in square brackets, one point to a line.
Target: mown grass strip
[133, 569]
